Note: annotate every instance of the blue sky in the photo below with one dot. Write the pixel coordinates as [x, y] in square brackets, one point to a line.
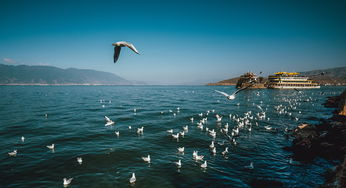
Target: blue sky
[180, 41]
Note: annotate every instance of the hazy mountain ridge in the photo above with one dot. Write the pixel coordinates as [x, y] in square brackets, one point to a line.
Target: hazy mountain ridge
[23, 74]
[332, 76]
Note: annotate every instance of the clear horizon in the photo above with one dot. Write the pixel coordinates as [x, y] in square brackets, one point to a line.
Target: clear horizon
[180, 41]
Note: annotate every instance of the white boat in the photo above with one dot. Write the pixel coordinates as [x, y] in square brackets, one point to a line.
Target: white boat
[290, 80]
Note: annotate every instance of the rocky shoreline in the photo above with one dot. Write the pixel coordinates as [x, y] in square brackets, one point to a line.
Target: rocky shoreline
[327, 140]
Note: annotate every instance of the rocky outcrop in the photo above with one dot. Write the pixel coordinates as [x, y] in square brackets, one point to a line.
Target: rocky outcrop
[336, 178]
[338, 102]
[327, 140]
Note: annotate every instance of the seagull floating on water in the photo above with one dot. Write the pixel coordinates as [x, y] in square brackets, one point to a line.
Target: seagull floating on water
[213, 151]
[79, 160]
[67, 181]
[146, 159]
[186, 128]
[23, 139]
[194, 154]
[178, 163]
[212, 145]
[199, 157]
[170, 131]
[268, 127]
[250, 166]
[225, 152]
[175, 136]
[140, 130]
[181, 149]
[117, 48]
[204, 165]
[117, 133]
[133, 178]
[51, 147]
[13, 153]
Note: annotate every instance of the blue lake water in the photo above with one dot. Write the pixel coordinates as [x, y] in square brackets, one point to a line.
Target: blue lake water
[76, 125]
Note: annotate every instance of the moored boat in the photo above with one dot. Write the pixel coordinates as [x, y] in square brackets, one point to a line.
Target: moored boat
[290, 80]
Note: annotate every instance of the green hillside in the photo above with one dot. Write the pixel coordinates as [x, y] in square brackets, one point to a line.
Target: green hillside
[23, 74]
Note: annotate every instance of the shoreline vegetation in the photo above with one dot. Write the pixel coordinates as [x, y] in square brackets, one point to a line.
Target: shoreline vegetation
[326, 140]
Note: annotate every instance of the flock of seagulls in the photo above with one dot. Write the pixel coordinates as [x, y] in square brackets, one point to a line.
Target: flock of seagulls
[243, 123]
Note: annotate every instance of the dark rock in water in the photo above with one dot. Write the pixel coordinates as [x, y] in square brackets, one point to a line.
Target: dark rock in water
[327, 140]
[338, 102]
[260, 183]
[336, 178]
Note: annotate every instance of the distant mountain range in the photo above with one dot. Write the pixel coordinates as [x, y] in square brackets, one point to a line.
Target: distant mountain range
[332, 76]
[48, 75]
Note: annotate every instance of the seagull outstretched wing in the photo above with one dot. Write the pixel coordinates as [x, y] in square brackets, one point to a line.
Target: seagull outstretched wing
[132, 47]
[116, 53]
[223, 93]
[241, 89]
[107, 119]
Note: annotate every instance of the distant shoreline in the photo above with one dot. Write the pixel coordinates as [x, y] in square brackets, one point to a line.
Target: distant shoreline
[65, 85]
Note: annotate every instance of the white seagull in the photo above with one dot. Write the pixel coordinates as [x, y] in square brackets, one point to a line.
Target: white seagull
[194, 154]
[140, 130]
[79, 160]
[204, 165]
[178, 163]
[67, 181]
[212, 145]
[23, 138]
[199, 157]
[146, 159]
[133, 178]
[108, 121]
[232, 96]
[213, 151]
[225, 152]
[117, 133]
[117, 48]
[186, 128]
[51, 147]
[250, 166]
[170, 131]
[181, 149]
[13, 153]
[175, 136]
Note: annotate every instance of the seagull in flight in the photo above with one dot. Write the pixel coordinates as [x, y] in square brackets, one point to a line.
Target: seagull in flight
[108, 121]
[232, 96]
[117, 48]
